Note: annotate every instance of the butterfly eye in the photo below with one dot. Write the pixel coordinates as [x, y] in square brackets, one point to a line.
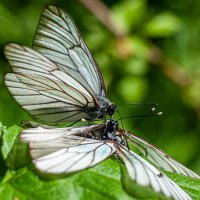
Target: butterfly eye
[111, 110]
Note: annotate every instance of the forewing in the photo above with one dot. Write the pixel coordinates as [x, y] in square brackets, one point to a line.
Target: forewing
[145, 174]
[41, 88]
[61, 151]
[159, 158]
[58, 39]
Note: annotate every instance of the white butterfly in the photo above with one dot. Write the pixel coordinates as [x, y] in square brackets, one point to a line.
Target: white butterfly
[68, 150]
[58, 80]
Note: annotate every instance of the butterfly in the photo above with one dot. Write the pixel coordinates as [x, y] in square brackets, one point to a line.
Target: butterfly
[57, 80]
[72, 149]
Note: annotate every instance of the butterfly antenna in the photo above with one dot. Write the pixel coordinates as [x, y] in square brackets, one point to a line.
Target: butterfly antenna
[138, 104]
[150, 114]
[126, 140]
[120, 119]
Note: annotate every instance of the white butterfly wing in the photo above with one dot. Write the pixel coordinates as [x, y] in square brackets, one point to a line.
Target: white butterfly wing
[42, 89]
[59, 151]
[42, 134]
[143, 173]
[58, 39]
[159, 158]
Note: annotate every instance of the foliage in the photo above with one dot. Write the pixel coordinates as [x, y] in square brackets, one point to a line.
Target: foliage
[157, 61]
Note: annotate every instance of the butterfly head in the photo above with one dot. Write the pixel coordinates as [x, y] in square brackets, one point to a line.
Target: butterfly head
[111, 109]
[112, 126]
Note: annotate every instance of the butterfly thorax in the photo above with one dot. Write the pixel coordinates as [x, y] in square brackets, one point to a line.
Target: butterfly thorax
[104, 107]
[105, 131]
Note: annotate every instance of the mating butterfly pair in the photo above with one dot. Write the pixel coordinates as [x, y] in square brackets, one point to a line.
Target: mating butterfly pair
[58, 81]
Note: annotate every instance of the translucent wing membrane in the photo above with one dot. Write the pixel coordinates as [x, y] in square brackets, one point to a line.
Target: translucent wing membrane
[72, 159]
[59, 81]
[143, 173]
[58, 39]
[159, 158]
[42, 89]
[63, 151]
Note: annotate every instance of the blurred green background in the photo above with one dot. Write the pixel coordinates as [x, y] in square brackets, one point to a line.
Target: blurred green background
[149, 52]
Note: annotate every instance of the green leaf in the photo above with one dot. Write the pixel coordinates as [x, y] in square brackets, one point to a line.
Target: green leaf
[100, 182]
[190, 185]
[14, 152]
[2, 162]
[131, 88]
[8, 139]
[163, 25]
[128, 14]
[7, 192]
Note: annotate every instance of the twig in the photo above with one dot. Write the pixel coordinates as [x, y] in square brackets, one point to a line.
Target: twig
[101, 11]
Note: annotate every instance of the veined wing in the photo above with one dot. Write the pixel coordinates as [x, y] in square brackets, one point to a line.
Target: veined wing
[63, 152]
[159, 158]
[42, 134]
[45, 91]
[58, 39]
[143, 173]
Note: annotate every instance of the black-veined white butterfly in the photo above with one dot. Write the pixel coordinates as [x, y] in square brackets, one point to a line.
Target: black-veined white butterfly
[58, 80]
[72, 149]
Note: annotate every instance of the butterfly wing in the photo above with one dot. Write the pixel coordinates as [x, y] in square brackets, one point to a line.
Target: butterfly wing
[58, 39]
[159, 158]
[41, 88]
[145, 174]
[62, 151]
